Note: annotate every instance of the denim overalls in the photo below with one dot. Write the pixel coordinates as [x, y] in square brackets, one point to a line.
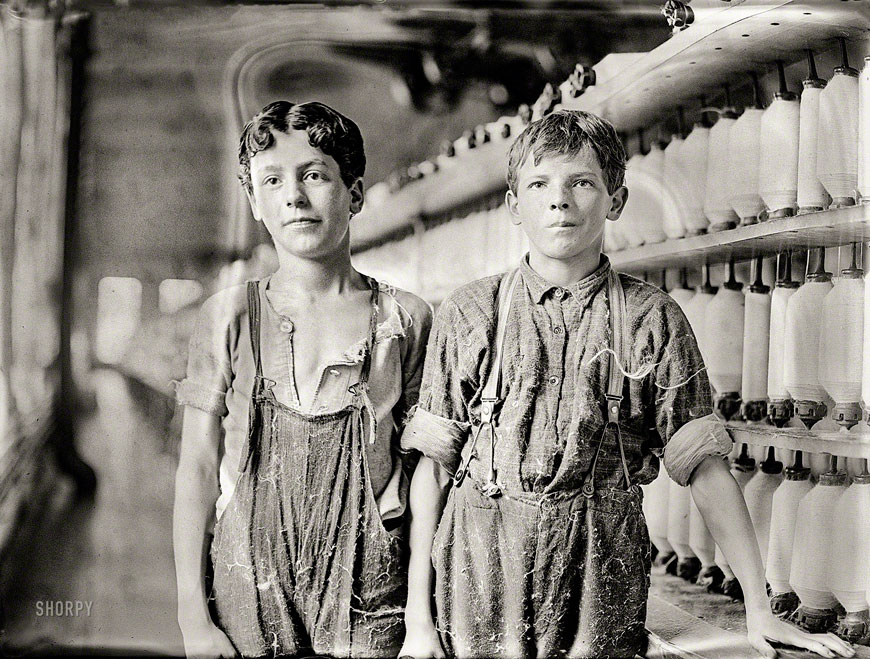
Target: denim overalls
[524, 574]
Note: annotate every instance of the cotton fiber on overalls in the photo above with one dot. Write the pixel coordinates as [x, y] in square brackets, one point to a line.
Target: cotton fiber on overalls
[302, 561]
[562, 572]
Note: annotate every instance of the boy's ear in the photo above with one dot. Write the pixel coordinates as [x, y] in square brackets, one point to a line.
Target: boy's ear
[253, 204]
[617, 203]
[357, 196]
[510, 200]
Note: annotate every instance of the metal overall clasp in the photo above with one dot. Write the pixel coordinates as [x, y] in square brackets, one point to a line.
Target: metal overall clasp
[487, 420]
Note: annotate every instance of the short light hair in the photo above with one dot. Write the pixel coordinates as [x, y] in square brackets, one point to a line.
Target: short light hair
[566, 132]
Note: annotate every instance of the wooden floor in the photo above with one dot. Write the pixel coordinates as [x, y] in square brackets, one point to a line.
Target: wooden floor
[115, 553]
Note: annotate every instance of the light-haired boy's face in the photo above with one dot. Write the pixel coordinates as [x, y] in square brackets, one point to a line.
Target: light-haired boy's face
[298, 193]
[562, 204]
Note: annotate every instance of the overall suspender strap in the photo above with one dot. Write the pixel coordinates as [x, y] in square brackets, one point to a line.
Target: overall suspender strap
[492, 390]
[616, 361]
[254, 327]
[492, 394]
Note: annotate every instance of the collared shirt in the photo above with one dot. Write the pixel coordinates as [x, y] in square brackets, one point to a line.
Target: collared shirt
[554, 369]
[220, 376]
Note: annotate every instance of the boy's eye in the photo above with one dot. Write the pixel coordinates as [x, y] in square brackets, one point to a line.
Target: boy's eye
[314, 176]
[584, 183]
[536, 185]
[271, 180]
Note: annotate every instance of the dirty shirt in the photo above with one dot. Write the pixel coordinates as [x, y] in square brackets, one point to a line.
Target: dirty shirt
[519, 574]
[220, 379]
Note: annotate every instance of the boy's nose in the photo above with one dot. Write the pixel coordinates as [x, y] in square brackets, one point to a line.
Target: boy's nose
[558, 205]
[296, 197]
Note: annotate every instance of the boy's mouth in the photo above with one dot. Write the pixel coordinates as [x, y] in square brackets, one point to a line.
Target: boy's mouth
[561, 225]
[301, 221]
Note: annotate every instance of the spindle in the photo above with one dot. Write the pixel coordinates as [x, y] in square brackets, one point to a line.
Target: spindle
[864, 132]
[743, 159]
[802, 329]
[674, 182]
[780, 408]
[696, 310]
[724, 359]
[837, 163]
[694, 157]
[812, 195]
[783, 519]
[717, 202]
[655, 506]
[682, 293]
[810, 575]
[756, 344]
[702, 543]
[850, 577]
[841, 343]
[778, 152]
[759, 499]
[650, 214]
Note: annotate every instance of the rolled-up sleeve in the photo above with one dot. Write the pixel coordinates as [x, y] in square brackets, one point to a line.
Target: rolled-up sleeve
[209, 370]
[439, 425]
[692, 443]
[436, 437]
[684, 405]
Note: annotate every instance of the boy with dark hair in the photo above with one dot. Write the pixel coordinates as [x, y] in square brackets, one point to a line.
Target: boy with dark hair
[549, 395]
[296, 387]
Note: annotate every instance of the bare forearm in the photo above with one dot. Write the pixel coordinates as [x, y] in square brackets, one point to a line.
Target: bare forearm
[196, 490]
[723, 508]
[429, 487]
[194, 501]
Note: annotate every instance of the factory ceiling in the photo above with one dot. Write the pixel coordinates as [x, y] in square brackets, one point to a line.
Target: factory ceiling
[170, 85]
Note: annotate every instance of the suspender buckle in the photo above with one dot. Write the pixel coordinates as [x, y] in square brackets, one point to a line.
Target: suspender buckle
[614, 402]
[488, 411]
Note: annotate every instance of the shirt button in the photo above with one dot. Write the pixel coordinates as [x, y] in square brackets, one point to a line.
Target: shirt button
[554, 380]
[286, 326]
[557, 330]
[559, 293]
[333, 371]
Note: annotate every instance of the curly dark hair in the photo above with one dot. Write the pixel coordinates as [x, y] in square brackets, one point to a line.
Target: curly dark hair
[328, 130]
[567, 132]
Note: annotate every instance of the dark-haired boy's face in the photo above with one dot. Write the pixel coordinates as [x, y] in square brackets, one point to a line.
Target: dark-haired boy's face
[298, 193]
[562, 204]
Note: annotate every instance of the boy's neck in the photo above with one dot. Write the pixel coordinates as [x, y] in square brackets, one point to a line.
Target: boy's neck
[565, 272]
[331, 276]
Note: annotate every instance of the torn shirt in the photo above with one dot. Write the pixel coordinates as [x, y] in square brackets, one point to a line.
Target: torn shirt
[220, 375]
[555, 377]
